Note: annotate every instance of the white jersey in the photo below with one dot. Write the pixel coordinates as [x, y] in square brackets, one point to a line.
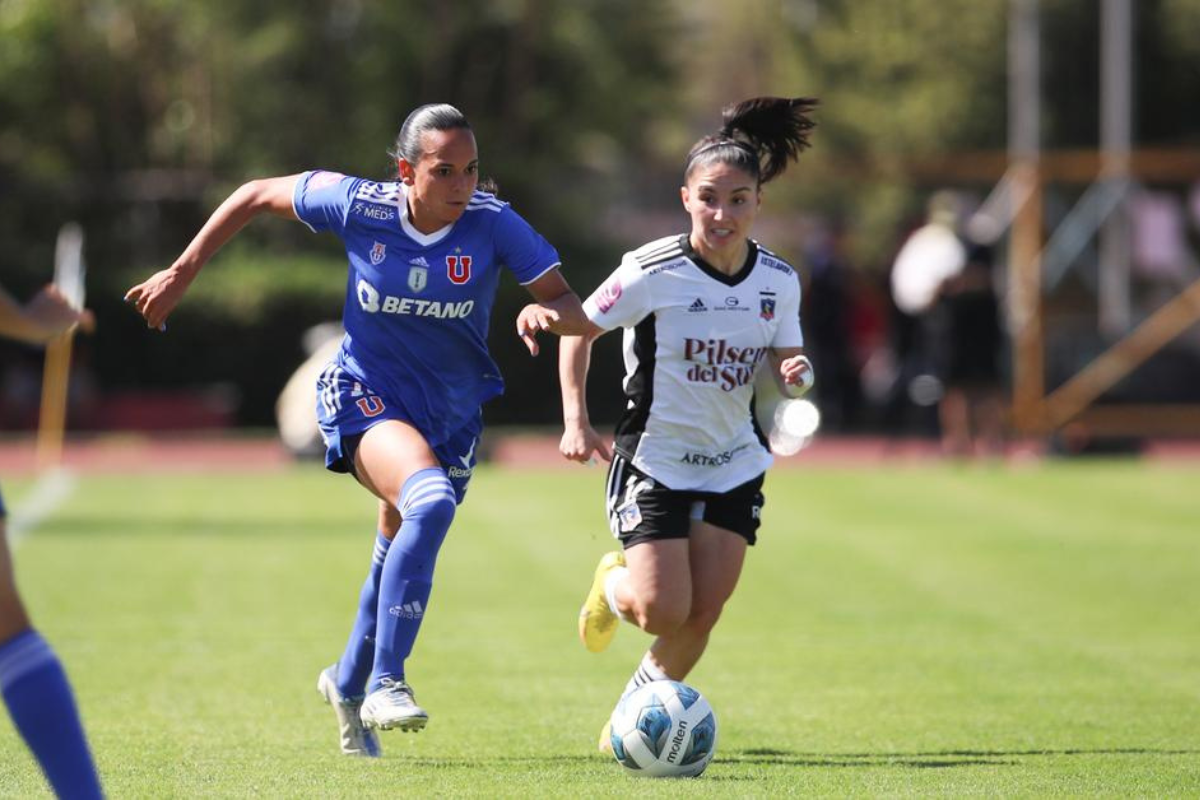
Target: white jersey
[694, 339]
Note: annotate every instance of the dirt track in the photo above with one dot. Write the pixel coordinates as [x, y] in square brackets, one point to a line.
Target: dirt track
[141, 453]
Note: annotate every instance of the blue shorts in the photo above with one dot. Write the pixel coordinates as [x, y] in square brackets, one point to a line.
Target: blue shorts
[347, 408]
[3, 512]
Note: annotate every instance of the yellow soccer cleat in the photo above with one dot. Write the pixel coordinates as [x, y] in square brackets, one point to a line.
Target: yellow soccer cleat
[597, 622]
[605, 743]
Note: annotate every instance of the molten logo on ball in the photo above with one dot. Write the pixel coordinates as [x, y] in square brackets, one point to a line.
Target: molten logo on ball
[665, 729]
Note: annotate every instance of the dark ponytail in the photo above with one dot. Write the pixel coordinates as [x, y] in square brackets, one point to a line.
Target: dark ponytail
[760, 136]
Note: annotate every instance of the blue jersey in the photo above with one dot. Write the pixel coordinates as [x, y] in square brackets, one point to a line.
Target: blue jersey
[418, 305]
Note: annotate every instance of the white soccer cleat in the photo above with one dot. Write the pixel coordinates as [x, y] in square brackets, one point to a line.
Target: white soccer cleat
[392, 705]
[356, 739]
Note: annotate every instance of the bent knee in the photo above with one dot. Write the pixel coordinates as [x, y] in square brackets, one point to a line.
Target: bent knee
[660, 615]
[703, 619]
[429, 495]
[389, 519]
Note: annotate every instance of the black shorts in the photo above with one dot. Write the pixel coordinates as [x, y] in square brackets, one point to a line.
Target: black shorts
[640, 509]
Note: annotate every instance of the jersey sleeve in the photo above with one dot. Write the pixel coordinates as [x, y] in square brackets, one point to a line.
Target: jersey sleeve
[788, 334]
[621, 301]
[322, 199]
[522, 249]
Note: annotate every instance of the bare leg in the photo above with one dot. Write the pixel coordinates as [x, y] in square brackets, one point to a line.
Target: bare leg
[657, 594]
[387, 455]
[677, 588]
[717, 556]
[389, 520]
[13, 618]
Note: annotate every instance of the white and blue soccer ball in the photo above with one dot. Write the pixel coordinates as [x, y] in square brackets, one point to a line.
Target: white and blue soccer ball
[664, 729]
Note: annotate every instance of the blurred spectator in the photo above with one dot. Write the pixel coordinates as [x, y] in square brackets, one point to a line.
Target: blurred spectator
[949, 331]
[829, 318]
[931, 254]
[967, 343]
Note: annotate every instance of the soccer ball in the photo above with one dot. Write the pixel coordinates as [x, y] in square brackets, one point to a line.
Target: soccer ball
[664, 729]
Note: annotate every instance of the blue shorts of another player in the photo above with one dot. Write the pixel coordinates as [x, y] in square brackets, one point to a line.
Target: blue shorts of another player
[347, 408]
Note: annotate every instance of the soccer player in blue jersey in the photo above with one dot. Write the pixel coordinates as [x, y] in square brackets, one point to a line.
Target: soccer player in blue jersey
[32, 680]
[399, 407]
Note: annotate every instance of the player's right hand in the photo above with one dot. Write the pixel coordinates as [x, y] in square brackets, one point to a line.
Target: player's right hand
[579, 442]
[157, 297]
[533, 319]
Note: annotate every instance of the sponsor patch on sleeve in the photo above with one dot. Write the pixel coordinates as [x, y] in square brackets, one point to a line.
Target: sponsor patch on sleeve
[323, 179]
[608, 294]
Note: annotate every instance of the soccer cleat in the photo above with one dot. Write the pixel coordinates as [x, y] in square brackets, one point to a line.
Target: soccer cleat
[392, 705]
[356, 740]
[605, 743]
[597, 622]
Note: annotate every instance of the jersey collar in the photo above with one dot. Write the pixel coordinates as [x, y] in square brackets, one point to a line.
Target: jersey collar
[716, 274]
[423, 239]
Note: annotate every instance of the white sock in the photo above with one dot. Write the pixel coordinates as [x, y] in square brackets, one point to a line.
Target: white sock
[614, 576]
[646, 672]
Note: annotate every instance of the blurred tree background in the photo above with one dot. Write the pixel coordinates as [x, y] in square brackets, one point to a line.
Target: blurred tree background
[137, 117]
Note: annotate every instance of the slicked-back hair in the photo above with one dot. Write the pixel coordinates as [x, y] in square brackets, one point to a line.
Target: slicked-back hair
[760, 136]
[430, 117]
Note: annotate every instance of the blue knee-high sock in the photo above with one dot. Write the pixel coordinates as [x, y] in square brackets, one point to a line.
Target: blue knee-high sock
[355, 665]
[427, 508]
[39, 698]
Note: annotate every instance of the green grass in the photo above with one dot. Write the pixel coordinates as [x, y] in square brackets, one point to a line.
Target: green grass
[898, 631]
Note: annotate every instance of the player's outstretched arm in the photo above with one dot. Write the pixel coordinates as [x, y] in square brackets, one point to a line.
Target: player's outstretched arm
[579, 440]
[793, 371]
[557, 310]
[48, 314]
[157, 297]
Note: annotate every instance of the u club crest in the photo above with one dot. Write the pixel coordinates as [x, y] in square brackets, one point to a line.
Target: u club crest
[378, 253]
[458, 269]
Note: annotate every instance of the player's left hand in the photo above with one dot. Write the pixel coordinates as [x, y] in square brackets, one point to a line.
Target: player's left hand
[582, 443]
[157, 297]
[797, 371]
[532, 320]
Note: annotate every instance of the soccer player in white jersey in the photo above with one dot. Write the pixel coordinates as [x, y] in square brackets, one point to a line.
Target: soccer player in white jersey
[701, 313]
[399, 407]
[32, 681]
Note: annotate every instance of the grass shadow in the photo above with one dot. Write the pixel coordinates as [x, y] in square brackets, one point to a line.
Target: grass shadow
[936, 759]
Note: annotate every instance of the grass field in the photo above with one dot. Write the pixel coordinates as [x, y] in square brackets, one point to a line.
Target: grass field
[930, 630]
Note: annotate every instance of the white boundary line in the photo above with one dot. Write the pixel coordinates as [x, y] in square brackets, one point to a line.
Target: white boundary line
[48, 494]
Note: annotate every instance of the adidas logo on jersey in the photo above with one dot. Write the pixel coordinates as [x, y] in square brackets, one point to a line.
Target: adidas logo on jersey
[413, 610]
[419, 261]
[698, 306]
